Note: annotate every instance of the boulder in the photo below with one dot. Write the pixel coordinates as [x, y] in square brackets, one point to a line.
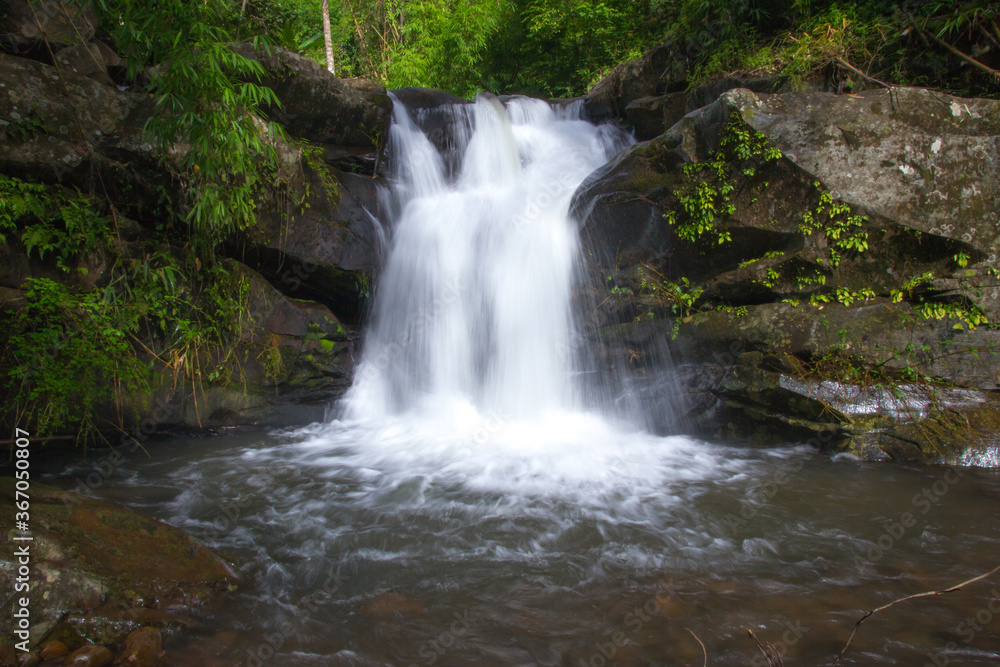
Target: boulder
[294, 358]
[415, 97]
[652, 116]
[90, 655]
[657, 72]
[86, 552]
[916, 157]
[143, 648]
[347, 119]
[916, 174]
[44, 134]
[326, 245]
[62, 23]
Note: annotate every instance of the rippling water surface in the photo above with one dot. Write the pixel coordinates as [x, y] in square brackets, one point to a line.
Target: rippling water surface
[550, 543]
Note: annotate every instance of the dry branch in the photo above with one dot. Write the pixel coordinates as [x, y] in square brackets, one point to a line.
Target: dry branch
[908, 597]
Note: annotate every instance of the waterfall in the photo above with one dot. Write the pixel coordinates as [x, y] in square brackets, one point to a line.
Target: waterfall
[473, 307]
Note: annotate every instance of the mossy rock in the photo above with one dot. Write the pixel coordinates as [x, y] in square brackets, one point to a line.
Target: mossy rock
[86, 553]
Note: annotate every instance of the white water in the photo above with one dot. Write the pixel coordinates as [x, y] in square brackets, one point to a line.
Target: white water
[473, 307]
[470, 372]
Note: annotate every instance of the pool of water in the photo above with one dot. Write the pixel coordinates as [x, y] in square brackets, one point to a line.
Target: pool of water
[467, 539]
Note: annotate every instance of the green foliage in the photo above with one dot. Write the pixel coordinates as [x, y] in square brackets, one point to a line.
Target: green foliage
[443, 45]
[54, 222]
[208, 102]
[847, 296]
[907, 288]
[559, 48]
[802, 40]
[964, 315]
[708, 196]
[843, 230]
[71, 351]
[66, 353]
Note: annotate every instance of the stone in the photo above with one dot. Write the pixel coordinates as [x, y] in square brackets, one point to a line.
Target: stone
[920, 169]
[85, 60]
[29, 659]
[91, 655]
[657, 72]
[143, 648]
[8, 656]
[415, 97]
[45, 135]
[651, 116]
[110, 57]
[53, 649]
[61, 22]
[328, 248]
[919, 158]
[86, 552]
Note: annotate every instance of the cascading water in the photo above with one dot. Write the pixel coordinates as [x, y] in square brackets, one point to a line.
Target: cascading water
[473, 307]
[475, 504]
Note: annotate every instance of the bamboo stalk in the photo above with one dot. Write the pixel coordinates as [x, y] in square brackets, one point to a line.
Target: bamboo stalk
[969, 59]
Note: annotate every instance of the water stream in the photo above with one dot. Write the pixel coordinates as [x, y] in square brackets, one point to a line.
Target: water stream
[479, 500]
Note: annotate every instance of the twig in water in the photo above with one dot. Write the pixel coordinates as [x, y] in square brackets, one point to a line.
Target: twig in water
[908, 597]
[703, 651]
[770, 653]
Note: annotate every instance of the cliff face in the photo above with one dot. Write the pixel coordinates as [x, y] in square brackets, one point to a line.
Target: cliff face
[303, 272]
[823, 266]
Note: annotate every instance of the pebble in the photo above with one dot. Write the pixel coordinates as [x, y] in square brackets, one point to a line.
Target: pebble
[29, 659]
[143, 648]
[53, 649]
[90, 655]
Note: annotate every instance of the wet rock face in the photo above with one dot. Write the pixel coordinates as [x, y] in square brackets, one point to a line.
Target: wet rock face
[327, 248]
[87, 554]
[921, 174]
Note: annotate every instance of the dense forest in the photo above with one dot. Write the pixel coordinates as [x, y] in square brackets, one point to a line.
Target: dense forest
[559, 48]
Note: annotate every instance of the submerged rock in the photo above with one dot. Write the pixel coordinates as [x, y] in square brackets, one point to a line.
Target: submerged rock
[87, 554]
[143, 648]
[91, 655]
[53, 649]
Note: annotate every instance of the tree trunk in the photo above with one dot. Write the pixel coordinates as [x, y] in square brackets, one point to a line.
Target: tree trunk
[327, 39]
